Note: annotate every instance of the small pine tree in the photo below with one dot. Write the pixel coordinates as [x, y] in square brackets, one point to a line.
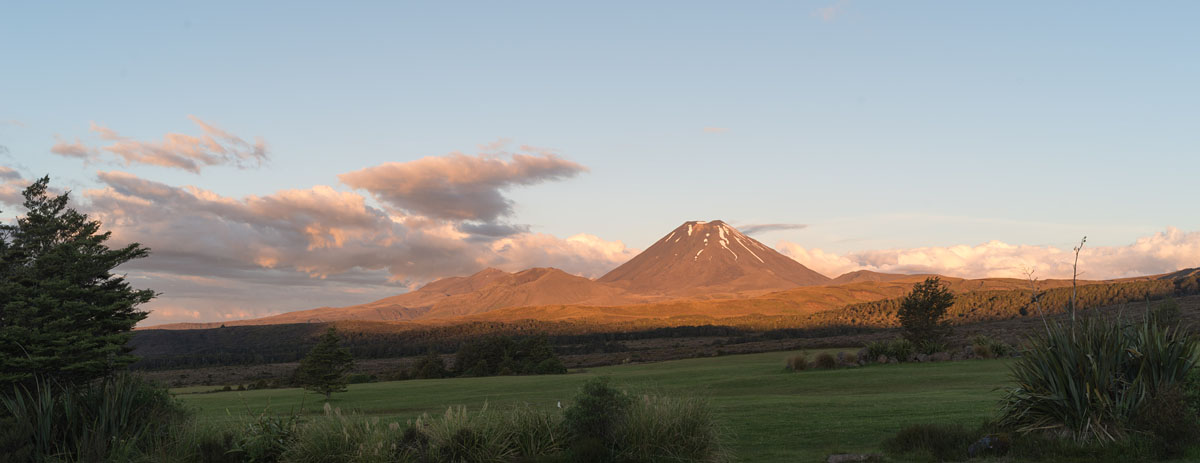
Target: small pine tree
[325, 367]
[64, 316]
[922, 310]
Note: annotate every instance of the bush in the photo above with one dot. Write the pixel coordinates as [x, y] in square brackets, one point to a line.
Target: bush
[938, 442]
[1170, 421]
[597, 411]
[986, 347]
[669, 429]
[901, 349]
[360, 378]
[1087, 381]
[877, 348]
[117, 419]
[337, 438]
[825, 361]
[798, 362]
[932, 347]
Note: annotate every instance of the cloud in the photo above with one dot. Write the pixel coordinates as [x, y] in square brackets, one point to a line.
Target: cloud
[212, 147]
[1162, 252]
[73, 150]
[582, 254]
[831, 12]
[457, 186]
[278, 252]
[11, 186]
[752, 229]
[715, 130]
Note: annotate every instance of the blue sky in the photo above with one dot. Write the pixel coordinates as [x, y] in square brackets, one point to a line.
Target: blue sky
[879, 125]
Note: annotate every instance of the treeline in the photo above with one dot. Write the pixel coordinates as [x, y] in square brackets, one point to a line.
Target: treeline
[242, 345]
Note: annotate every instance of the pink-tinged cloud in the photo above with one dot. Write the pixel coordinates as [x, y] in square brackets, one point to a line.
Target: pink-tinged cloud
[583, 254]
[240, 253]
[77, 149]
[212, 147]
[715, 130]
[11, 186]
[457, 186]
[1162, 252]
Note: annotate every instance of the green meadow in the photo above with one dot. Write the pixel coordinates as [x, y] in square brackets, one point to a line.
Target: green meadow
[769, 413]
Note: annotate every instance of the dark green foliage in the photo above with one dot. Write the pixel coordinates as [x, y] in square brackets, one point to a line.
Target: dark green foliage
[1167, 313]
[501, 355]
[325, 367]
[1089, 380]
[412, 445]
[360, 378]
[594, 415]
[987, 347]
[431, 366]
[64, 316]
[932, 347]
[466, 446]
[267, 438]
[938, 442]
[121, 416]
[922, 313]
[1169, 421]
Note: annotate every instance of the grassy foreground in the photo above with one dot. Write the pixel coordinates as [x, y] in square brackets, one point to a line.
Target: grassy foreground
[770, 414]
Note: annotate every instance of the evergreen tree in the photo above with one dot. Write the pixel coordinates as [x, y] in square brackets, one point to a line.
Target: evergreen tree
[64, 316]
[430, 366]
[922, 310]
[325, 367]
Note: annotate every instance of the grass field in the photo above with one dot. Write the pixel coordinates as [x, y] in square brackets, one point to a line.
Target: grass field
[771, 414]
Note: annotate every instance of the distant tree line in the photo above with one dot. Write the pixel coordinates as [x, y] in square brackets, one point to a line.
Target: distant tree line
[241, 345]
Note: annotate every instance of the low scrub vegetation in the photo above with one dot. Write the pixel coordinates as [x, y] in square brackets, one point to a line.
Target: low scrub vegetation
[128, 420]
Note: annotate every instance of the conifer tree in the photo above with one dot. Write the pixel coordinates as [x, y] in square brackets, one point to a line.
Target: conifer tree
[64, 316]
[922, 310]
[325, 367]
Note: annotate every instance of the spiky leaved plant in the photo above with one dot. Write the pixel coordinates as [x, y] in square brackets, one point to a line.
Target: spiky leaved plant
[1087, 380]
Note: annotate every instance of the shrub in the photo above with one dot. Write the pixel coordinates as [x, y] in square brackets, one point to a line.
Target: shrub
[877, 348]
[360, 378]
[850, 358]
[266, 438]
[669, 429]
[987, 347]
[115, 419]
[939, 442]
[1170, 421]
[1167, 313]
[1087, 381]
[336, 438]
[597, 410]
[798, 362]
[825, 361]
[931, 347]
[901, 349]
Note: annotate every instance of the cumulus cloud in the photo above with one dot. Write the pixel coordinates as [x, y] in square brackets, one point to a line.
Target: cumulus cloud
[1162, 252]
[238, 252]
[458, 186]
[212, 147]
[769, 227]
[582, 254]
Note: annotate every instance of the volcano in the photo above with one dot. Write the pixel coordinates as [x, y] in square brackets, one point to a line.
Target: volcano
[700, 258]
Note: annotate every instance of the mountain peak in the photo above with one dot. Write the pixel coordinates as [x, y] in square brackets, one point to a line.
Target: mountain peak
[710, 256]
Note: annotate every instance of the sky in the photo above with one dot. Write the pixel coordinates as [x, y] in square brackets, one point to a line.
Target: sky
[282, 156]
